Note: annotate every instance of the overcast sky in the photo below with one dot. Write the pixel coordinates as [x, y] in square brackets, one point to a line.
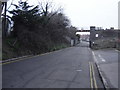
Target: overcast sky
[85, 13]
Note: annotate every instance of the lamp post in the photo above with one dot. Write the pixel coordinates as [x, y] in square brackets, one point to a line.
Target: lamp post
[4, 4]
[0, 9]
[0, 20]
[119, 15]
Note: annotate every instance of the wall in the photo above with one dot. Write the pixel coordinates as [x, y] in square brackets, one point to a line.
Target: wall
[106, 38]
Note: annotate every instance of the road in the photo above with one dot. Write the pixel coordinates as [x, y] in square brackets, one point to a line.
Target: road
[72, 67]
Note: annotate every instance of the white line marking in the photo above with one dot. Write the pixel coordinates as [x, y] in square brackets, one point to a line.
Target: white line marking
[99, 55]
[117, 50]
[104, 80]
[79, 70]
[102, 58]
[94, 57]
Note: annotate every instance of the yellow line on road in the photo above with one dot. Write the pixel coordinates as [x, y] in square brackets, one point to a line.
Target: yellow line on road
[27, 58]
[93, 82]
[21, 59]
[30, 57]
[94, 77]
[91, 79]
[14, 61]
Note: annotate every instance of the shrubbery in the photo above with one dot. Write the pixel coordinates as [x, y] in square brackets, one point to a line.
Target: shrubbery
[37, 30]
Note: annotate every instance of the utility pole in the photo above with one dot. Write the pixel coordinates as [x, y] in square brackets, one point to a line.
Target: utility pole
[0, 20]
[0, 45]
[4, 6]
[0, 9]
[119, 15]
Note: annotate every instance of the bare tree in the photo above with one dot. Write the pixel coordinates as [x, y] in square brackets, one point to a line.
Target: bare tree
[48, 10]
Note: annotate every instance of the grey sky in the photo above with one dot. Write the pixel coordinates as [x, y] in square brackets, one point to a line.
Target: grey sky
[84, 13]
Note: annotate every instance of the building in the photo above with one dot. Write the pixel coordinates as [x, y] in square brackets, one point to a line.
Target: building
[119, 15]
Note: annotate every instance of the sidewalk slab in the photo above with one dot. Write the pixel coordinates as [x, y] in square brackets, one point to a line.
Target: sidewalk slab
[107, 63]
[110, 72]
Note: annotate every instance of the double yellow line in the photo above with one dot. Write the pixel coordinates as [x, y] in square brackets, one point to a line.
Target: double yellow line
[93, 83]
[21, 59]
[25, 58]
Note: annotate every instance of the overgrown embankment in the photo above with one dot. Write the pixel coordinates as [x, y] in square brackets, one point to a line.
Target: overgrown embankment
[36, 30]
[18, 50]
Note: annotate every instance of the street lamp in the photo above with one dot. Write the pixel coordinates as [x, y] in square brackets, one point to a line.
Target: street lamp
[119, 15]
[3, 3]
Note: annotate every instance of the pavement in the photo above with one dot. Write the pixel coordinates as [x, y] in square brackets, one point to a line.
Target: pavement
[67, 68]
[107, 62]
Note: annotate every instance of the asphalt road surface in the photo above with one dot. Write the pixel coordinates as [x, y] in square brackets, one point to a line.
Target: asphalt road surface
[67, 68]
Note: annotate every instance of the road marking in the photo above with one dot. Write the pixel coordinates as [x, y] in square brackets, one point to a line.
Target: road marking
[79, 70]
[103, 79]
[20, 59]
[94, 57]
[17, 60]
[94, 77]
[93, 82]
[102, 58]
[117, 50]
[14, 61]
